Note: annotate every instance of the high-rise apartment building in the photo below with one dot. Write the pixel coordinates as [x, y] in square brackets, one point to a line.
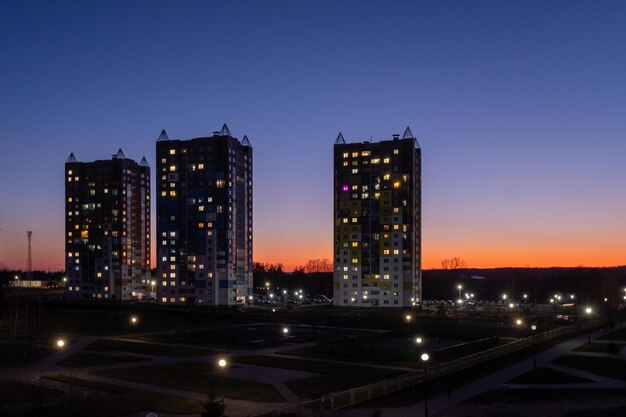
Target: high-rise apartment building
[107, 228]
[204, 219]
[377, 230]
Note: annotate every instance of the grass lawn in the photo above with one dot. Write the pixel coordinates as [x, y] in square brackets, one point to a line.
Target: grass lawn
[603, 412]
[335, 377]
[21, 354]
[596, 347]
[527, 395]
[314, 352]
[608, 367]
[117, 401]
[13, 392]
[196, 376]
[84, 359]
[547, 376]
[106, 345]
[616, 335]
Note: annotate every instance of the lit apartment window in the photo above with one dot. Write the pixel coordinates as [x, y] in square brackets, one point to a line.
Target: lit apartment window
[396, 151]
[200, 166]
[385, 160]
[164, 300]
[345, 155]
[355, 154]
[355, 244]
[172, 167]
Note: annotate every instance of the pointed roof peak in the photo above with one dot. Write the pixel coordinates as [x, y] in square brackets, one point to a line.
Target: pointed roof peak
[245, 141]
[71, 158]
[119, 154]
[340, 140]
[408, 134]
[144, 162]
[163, 135]
[225, 131]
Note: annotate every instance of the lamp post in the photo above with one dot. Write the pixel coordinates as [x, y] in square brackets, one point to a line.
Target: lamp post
[222, 365]
[459, 287]
[534, 328]
[152, 283]
[133, 320]
[18, 280]
[425, 358]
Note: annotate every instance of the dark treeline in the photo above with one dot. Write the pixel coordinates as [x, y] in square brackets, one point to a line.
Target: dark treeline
[315, 277]
[588, 284]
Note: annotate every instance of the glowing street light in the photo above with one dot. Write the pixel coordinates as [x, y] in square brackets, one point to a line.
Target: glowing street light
[60, 343]
[459, 287]
[133, 319]
[285, 330]
[518, 322]
[588, 310]
[424, 359]
[222, 363]
[408, 317]
[504, 296]
[418, 340]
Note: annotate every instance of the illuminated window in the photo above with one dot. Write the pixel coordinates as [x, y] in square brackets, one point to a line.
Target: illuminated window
[172, 267]
[355, 171]
[173, 193]
[395, 251]
[396, 184]
[345, 155]
[345, 276]
[365, 153]
[201, 225]
[355, 154]
[355, 261]
[69, 172]
[345, 163]
[396, 151]
[386, 276]
[163, 193]
[354, 220]
[172, 259]
[375, 161]
[99, 274]
[386, 252]
[172, 275]
[355, 244]
[386, 176]
[172, 300]
[385, 160]
[164, 300]
[200, 208]
[172, 167]
[172, 151]
[200, 166]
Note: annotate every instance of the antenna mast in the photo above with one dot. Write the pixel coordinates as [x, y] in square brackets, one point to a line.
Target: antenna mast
[29, 262]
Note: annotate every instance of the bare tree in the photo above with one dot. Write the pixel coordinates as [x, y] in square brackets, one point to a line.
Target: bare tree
[318, 265]
[453, 263]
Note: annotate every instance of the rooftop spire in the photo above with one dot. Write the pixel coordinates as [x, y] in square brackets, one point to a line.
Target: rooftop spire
[119, 154]
[340, 140]
[71, 158]
[245, 141]
[225, 131]
[408, 134]
[143, 162]
[163, 135]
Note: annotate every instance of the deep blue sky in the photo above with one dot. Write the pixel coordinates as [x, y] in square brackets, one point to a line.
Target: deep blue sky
[520, 108]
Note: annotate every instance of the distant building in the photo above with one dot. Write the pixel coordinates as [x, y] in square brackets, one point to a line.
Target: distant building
[107, 228]
[377, 230]
[204, 220]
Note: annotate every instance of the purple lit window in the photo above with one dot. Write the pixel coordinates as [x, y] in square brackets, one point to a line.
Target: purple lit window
[346, 188]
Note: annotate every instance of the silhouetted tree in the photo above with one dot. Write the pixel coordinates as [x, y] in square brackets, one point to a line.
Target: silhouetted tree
[453, 263]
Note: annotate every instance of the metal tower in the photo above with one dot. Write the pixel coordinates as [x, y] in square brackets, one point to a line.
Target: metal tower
[29, 261]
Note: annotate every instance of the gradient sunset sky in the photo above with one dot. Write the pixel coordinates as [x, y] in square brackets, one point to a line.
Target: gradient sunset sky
[520, 109]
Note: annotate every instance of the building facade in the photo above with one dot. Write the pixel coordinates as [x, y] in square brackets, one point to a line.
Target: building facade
[107, 228]
[377, 230]
[204, 220]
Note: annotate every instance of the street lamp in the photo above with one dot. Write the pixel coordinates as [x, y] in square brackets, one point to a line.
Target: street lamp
[534, 328]
[518, 322]
[408, 317]
[504, 296]
[459, 287]
[285, 330]
[18, 280]
[418, 340]
[152, 283]
[425, 358]
[133, 319]
[60, 343]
